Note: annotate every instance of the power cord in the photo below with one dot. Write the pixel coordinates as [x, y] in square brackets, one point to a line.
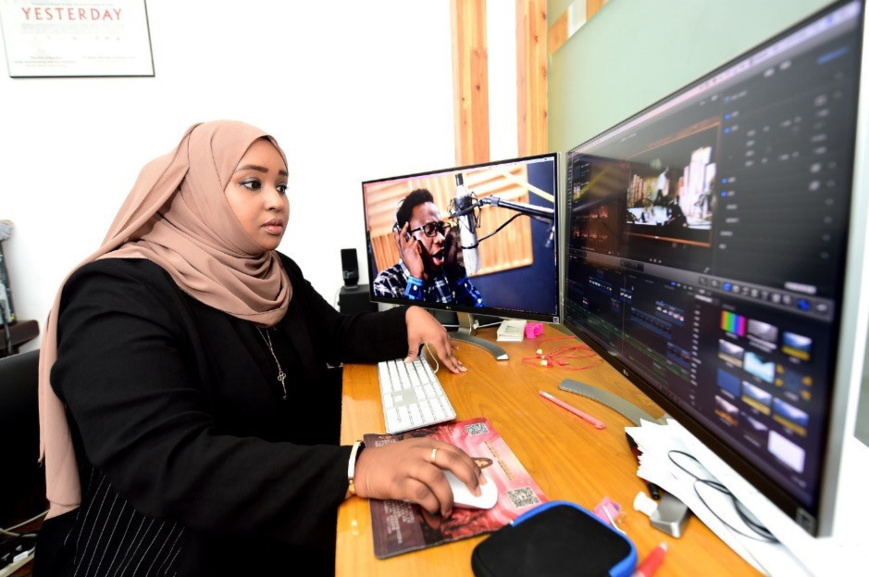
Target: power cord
[433, 357]
[761, 533]
[9, 531]
[566, 357]
[17, 549]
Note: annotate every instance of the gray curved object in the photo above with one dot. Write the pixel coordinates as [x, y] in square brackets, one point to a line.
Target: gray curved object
[616, 403]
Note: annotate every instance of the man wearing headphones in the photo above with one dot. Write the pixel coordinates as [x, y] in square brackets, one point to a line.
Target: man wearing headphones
[429, 268]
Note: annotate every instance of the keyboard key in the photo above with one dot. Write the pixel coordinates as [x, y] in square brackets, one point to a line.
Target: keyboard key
[391, 418]
[427, 414]
[439, 411]
[415, 416]
[414, 378]
[404, 376]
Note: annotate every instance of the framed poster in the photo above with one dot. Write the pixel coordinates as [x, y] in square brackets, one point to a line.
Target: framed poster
[49, 38]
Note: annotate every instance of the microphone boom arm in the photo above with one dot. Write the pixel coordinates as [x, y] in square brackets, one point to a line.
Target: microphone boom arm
[523, 207]
[539, 212]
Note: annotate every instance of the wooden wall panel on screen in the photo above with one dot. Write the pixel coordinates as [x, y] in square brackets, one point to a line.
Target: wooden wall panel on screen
[470, 80]
[510, 249]
[531, 77]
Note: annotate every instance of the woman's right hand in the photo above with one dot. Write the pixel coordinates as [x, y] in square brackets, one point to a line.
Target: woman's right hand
[405, 471]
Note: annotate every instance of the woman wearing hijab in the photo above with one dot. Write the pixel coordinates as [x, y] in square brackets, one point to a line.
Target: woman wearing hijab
[177, 376]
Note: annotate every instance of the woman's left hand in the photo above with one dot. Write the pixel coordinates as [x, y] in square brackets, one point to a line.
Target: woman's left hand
[422, 328]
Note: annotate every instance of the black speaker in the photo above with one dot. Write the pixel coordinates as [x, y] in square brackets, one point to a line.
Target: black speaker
[350, 266]
[354, 299]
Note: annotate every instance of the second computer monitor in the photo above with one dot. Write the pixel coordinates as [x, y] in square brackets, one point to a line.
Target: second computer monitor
[706, 251]
[476, 239]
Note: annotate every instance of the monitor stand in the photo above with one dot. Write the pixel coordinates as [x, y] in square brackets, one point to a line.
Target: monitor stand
[671, 514]
[466, 334]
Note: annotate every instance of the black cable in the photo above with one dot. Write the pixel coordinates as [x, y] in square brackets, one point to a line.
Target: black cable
[762, 533]
[497, 230]
[10, 531]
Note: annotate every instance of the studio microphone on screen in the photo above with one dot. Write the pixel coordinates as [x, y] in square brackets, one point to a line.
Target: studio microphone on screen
[467, 225]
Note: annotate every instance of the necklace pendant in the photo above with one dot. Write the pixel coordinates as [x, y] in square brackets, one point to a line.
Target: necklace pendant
[282, 376]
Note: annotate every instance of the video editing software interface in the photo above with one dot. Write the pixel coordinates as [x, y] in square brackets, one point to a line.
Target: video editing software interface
[495, 251]
[706, 247]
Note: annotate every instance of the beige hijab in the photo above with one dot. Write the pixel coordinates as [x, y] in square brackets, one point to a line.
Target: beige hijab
[178, 217]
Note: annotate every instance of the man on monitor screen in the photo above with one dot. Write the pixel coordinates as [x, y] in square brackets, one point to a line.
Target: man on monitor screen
[429, 267]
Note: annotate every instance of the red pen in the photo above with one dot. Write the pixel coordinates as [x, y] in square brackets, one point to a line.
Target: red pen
[651, 563]
[598, 424]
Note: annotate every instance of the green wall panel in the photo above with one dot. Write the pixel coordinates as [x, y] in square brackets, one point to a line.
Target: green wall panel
[634, 52]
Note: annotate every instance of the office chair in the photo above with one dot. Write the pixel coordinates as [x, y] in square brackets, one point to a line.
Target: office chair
[23, 478]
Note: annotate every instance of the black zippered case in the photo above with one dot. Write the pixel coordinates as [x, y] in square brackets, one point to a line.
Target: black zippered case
[556, 539]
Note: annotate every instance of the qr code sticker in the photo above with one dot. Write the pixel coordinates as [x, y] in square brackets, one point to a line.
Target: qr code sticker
[523, 497]
[476, 429]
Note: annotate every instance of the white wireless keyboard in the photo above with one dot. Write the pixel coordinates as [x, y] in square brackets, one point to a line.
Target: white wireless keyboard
[412, 395]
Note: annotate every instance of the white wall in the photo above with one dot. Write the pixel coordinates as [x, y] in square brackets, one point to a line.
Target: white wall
[355, 91]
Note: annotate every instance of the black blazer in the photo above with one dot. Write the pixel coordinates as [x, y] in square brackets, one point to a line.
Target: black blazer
[190, 459]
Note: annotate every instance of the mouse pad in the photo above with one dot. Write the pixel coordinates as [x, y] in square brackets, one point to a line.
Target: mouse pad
[399, 527]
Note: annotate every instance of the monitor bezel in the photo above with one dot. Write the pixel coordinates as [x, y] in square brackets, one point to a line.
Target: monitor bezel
[487, 310]
[846, 328]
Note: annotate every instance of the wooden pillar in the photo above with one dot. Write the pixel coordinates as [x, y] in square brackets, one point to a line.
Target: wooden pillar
[592, 7]
[531, 77]
[470, 80]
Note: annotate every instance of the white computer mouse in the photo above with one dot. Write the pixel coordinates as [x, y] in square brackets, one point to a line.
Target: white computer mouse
[462, 496]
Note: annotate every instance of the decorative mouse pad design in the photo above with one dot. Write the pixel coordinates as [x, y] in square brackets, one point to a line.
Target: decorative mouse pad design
[399, 527]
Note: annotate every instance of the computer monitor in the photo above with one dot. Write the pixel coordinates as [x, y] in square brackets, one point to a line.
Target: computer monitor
[480, 239]
[706, 245]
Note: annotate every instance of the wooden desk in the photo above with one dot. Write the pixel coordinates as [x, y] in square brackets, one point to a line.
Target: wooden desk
[569, 459]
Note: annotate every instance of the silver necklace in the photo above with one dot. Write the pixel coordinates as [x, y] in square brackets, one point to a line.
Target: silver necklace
[282, 376]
